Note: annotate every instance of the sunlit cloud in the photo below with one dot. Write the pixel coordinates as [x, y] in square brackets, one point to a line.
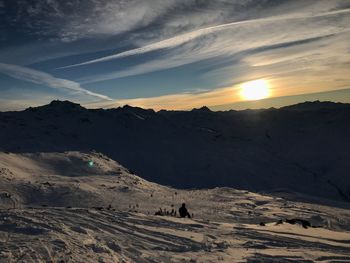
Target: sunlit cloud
[229, 40]
[184, 38]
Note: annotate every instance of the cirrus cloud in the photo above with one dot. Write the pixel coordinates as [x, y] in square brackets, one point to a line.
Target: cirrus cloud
[42, 78]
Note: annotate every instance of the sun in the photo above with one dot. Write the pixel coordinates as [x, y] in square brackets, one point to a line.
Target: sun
[255, 90]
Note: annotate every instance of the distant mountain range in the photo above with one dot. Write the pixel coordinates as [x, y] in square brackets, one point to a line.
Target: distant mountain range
[303, 147]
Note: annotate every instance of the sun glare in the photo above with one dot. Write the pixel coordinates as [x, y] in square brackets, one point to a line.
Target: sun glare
[255, 90]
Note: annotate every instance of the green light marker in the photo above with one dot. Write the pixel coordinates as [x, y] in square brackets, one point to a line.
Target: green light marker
[91, 163]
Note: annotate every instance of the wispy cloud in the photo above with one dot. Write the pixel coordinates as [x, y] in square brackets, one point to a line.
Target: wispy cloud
[301, 45]
[184, 38]
[230, 39]
[72, 20]
[42, 78]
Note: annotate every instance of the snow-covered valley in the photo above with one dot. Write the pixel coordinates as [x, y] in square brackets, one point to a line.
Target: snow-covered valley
[85, 207]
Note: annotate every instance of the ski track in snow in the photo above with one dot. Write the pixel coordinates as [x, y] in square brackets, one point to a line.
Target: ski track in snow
[87, 235]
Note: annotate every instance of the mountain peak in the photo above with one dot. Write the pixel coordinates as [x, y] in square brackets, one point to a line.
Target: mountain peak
[63, 104]
[202, 109]
[58, 105]
[315, 105]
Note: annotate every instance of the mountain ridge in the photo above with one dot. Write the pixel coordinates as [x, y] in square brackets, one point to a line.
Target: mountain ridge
[301, 106]
[303, 147]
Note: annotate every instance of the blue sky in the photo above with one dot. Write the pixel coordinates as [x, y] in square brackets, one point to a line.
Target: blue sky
[173, 54]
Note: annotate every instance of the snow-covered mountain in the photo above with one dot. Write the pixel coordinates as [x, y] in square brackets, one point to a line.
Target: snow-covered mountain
[85, 207]
[303, 148]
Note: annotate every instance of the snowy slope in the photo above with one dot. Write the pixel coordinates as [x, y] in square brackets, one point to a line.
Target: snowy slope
[303, 148]
[56, 207]
[87, 235]
[68, 179]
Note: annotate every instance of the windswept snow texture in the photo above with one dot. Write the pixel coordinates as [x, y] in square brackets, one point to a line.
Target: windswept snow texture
[85, 207]
[87, 235]
[303, 148]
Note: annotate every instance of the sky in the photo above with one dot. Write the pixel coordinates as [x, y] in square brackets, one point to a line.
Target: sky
[173, 54]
